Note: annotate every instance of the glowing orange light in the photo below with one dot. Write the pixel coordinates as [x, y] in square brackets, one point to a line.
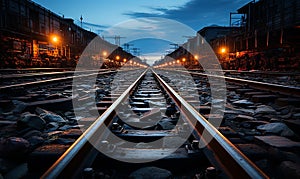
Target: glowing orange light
[196, 57]
[178, 61]
[55, 39]
[117, 57]
[124, 60]
[183, 59]
[104, 53]
[223, 50]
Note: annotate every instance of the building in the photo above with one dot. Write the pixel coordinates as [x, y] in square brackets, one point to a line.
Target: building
[29, 31]
[266, 25]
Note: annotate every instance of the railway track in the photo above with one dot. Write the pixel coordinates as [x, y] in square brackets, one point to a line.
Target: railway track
[275, 77]
[31, 70]
[46, 78]
[149, 100]
[15, 79]
[276, 88]
[170, 120]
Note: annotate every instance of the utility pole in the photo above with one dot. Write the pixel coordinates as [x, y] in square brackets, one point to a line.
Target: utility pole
[116, 37]
[126, 46]
[81, 20]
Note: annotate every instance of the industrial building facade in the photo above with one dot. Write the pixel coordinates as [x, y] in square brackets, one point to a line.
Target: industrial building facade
[264, 25]
[29, 32]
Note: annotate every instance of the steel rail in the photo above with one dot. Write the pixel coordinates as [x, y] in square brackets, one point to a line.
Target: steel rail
[281, 89]
[34, 69]
[72, 162]
[43, 82]
[234, 163]
[30, 75]
[75, 159]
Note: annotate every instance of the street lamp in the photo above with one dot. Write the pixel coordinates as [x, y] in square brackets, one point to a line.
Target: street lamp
[55, 40]
[196, 57]
[223, 50]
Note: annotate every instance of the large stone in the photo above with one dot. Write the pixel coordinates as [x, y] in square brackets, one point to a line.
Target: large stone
[150, 173]
[19, 106]
[276, 128]
[243, 103]
[14, 147]
[35, 141]
[278, 141]
[264, 109]
[32, 120]
[50, 116]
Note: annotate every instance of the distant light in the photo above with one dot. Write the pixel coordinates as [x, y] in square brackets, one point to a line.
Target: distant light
[178, 61]
[117, 57]
[55, 39]
[104, 53]
[223, 50]
[183, 59]
[124, 60]
[196, 57]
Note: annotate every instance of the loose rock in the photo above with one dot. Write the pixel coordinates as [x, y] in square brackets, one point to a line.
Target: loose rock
[31, 120]
[150, 173]
[277, 128]
[13, 147]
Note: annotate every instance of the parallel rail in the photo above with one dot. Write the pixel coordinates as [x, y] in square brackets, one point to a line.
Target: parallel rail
[277, 88]
[43, 82]
[44, 74]
[81, 153]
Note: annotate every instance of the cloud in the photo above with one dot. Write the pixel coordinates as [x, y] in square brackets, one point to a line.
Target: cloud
[196, 13]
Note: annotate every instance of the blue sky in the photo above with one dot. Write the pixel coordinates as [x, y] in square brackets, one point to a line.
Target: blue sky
[103, 14]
